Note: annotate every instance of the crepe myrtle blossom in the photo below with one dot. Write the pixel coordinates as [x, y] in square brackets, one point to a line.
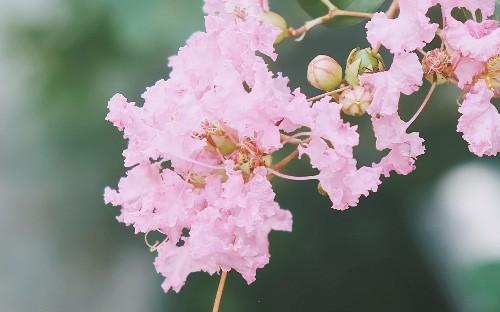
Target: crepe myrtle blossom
[205, 143]
[470, 52]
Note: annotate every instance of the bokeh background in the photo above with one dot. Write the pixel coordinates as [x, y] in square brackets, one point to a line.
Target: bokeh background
[429, 241]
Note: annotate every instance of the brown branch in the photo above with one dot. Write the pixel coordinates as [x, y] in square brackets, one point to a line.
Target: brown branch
[332, 13]
[288, 158]
[220, 289]
[317, 97]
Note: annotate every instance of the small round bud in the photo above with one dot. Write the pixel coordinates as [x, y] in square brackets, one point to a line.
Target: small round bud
[324, 73]
[362, 62]
[276, 20]
[492, 74]
[437, 66]
[355, 101]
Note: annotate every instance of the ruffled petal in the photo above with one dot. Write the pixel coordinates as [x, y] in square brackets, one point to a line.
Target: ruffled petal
[413, 27]
[480, 121]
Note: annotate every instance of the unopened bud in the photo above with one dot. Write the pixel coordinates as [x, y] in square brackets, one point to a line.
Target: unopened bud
[362, 62]
[355, 101]
[278, 21]
[437, 66]
[324, 73]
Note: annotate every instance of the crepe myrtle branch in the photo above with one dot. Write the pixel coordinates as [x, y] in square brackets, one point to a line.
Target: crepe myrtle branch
[333, 12]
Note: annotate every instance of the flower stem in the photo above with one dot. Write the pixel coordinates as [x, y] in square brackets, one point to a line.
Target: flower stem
[220, 289]
[290, 177]
[332, 13]
[294, 139]
[315, 98]
[282, 163]
[422, 106]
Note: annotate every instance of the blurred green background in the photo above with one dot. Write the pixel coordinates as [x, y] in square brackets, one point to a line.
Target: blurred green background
[425, 242]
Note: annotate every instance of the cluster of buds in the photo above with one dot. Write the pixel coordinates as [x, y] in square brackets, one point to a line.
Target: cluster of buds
[326, 74]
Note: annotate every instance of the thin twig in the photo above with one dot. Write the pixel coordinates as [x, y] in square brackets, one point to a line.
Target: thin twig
[288, 158]
[317, 97]
[332, 13]
[290, 177]
[422, 106]
[220, 289]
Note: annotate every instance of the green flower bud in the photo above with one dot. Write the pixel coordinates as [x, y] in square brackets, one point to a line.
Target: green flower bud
[355, 101]
[278, 21]
[324, 73]
[362, 62]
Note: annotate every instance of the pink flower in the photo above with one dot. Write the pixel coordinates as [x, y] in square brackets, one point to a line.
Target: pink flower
[479, 41]
[390, 132]
[212, 124]
[480, 121]
[409, 31]
[331, 152]
[229, 232]
[404, 76]
[466, 69]
[155, 200]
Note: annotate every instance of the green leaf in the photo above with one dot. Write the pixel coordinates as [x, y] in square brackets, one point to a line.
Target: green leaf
[316, 8]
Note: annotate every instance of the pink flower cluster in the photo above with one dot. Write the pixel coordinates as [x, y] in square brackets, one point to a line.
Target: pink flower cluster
[200, 147]
[474, 59]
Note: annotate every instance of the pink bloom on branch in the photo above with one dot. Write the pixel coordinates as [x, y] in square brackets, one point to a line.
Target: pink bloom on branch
[229, 232]
[480, 121]
[390, 132]
[479, 41]
[409, 31]
[331, 152]
[466, 69]
[404, 76]
[218, 86]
